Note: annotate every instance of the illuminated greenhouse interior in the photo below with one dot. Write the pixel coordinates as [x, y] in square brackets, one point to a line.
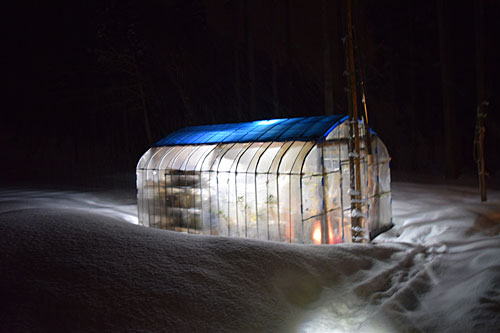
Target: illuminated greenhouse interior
[285, 180]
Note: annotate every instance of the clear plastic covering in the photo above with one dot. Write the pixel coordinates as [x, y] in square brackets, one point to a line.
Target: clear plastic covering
[287, 191]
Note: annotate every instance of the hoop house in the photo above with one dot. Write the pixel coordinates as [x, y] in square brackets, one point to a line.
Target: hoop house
[282, 180]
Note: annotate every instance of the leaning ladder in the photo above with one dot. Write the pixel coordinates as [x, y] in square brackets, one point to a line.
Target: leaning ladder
[357, 217]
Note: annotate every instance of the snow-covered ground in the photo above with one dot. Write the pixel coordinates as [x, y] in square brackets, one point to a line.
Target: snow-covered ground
[70, 262]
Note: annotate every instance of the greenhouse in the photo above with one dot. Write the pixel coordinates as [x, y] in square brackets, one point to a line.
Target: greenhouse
[285, 180]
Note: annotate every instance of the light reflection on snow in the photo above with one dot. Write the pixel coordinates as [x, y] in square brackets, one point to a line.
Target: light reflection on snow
[105, 203]
[452, 246]
[342, 312]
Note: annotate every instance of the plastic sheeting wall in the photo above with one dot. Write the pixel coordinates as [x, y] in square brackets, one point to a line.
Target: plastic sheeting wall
[293, 191]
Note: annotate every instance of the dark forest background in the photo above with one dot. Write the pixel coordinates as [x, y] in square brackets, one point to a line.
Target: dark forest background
[92, 84]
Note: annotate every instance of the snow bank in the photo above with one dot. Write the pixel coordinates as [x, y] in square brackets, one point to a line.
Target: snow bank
[72, 270]
[71, 264]
[119, 204]
[461, 263]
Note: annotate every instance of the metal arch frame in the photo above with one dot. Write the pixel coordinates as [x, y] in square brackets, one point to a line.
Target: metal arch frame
[147, 170]
[217, 184]
[146, 188]
[277, 186]
[169, 169]
[250, 144]
[243, 148]
[290, 173]
[324, 184]
[260, 151]
[255, 187]
[163, 205]
[255, 184]
[246, 183]
[169, 156]
[209, 180]
[201, 186]
[165, 153]
[142, 200]
[301, 188]
[185, 164]
[167, 173]
[223, 151]
[324, 202]
[286, 144]
[338, 141]
[236, 160]
[289, 187]
[201, 158]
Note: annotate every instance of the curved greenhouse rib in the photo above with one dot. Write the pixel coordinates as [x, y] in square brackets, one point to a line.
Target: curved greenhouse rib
[300, 192]
[173, 196]
[236, 184]
[277, 157]
[262, 148]
[218, 191]
[150, 173]
[194, 150]
[277, 186]
[201, 183]
[256, 189]
[242, 147]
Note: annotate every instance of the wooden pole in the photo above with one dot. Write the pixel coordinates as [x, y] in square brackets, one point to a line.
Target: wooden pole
[367, 135]
[356, 221]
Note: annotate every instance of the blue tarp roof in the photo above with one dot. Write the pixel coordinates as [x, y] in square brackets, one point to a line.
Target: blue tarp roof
[287, 129]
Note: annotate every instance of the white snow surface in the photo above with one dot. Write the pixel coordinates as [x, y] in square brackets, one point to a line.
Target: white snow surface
[70, 262]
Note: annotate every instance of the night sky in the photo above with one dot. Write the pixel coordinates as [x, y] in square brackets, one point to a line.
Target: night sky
[92, 84]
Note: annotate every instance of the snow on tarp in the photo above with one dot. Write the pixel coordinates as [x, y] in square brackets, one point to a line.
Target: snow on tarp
[81, 268]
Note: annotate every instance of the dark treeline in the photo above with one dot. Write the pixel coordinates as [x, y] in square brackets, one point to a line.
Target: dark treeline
[92, 84]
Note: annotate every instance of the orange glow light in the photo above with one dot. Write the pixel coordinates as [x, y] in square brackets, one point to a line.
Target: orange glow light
[317, 233]
[330, 234]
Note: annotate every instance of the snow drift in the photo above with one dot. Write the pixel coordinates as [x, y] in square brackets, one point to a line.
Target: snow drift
[73, 265]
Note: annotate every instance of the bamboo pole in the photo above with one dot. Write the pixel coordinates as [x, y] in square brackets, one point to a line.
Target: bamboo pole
[356, 221]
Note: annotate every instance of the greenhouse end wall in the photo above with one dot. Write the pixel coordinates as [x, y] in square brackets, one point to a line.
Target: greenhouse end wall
[294, 191]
